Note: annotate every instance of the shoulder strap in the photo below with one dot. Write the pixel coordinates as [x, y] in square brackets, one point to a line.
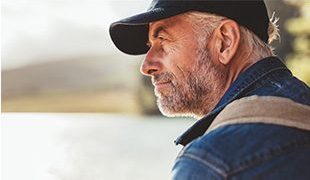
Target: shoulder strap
[264, 109]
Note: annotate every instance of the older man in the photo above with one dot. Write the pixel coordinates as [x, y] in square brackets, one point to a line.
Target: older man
[211, 60]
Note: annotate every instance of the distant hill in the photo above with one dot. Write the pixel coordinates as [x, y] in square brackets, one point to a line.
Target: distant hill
[71, 74]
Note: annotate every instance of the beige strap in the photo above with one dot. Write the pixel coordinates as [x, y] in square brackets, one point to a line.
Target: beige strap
[264, 109]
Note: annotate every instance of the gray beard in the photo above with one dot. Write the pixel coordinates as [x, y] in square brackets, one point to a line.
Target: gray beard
[195, 97]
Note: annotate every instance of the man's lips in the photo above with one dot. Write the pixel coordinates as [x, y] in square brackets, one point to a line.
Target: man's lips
[161, 85]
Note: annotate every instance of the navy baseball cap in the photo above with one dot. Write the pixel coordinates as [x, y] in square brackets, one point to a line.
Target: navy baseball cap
[130, 35]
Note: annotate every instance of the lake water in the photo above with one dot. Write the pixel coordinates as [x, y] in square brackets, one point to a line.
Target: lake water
[43, 146]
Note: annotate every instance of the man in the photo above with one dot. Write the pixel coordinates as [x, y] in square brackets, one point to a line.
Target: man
[211, 60]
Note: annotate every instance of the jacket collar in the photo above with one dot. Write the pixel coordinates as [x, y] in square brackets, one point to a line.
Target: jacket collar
[246, 79]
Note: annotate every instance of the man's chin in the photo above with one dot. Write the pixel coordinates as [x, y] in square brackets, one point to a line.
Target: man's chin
[170, 111]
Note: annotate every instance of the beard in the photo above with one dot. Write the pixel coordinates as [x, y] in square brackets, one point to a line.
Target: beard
[195, 95]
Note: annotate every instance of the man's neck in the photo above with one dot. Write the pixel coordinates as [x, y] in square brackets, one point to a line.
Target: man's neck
[239, 64]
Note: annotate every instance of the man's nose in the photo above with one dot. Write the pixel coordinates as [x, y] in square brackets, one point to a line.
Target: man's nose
[151, 64]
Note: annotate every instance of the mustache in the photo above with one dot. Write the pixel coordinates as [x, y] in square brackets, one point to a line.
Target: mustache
[162, 78]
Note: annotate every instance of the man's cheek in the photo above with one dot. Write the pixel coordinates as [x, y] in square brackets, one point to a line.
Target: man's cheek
[174, 48]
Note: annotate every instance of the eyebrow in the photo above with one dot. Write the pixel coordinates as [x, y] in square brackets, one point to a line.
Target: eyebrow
[156, 32]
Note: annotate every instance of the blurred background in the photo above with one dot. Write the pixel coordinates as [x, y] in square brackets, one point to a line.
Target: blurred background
[57, 58]
[57, 55]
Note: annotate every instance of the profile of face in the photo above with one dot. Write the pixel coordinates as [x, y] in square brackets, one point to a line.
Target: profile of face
[183, 71]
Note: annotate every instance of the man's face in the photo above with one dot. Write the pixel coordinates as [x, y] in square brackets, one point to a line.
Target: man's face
[181, 68]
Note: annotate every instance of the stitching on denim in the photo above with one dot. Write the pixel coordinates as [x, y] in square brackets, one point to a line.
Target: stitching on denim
[287, 89]
[272, 153]
[269, 80]
[206, 163]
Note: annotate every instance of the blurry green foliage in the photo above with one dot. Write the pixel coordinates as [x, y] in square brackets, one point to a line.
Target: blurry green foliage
[299, 60]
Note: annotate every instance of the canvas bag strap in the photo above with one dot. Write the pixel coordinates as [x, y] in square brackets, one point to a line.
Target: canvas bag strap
[264, 109]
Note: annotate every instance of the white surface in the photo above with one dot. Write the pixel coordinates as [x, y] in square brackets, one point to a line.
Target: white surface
[88, 146]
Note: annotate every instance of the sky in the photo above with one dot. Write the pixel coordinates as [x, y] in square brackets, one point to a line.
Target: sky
[35, 31]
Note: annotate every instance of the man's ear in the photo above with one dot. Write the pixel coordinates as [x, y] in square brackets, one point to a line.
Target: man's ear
[227, 36]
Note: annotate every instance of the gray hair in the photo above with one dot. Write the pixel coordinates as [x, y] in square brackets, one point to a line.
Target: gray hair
[204, 23]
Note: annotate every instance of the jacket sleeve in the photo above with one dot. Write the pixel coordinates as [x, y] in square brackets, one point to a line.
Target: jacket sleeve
[191, 167]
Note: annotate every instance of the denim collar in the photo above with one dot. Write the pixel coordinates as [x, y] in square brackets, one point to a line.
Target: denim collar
[246, 79]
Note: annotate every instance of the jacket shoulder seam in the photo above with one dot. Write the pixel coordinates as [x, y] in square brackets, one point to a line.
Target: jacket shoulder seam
[218, 170]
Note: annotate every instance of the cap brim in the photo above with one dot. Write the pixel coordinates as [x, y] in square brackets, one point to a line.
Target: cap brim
[130, 35]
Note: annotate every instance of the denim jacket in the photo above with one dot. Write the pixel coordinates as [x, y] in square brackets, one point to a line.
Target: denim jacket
[254, 150]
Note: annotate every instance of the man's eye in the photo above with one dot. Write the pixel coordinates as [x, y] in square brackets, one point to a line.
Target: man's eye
[161, 38]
